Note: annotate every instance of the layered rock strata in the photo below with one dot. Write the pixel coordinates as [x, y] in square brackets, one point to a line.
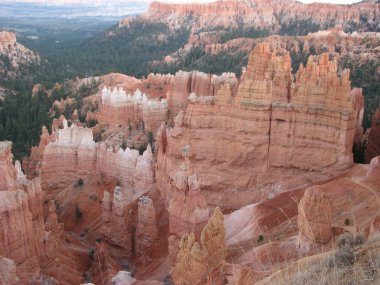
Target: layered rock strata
[35, 246]
[281, 132]
[119, 108]
[271, 15]
[167, 92]
[22, 225]
[74, 154]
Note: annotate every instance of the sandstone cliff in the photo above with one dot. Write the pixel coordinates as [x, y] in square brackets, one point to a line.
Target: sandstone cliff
[35, 246]
[303, 130]
[272, 15]
[163, 97]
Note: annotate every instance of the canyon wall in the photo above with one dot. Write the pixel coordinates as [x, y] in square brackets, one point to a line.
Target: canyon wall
[272, 132]
[118, 108]
[272, 15]
[22, 226]
[164, 96]
[33, 244]
[74, 156]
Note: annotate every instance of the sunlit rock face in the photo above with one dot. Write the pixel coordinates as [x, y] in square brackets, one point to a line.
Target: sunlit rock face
[119, 108]
[158, 104]
[74, 154]
[271, 15]
[273, 132]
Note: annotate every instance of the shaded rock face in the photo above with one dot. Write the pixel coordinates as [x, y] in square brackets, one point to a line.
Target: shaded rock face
[188, 211]
[270, 15]
[21, 222]
[373, 144]
[24, 237]
[196, 259]
[314, 216]
[281, 132]
[146, 231]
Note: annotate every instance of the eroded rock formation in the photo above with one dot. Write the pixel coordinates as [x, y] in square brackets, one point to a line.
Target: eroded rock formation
[272, 15]
[119, 108]
[303, 131]
[24, 237]
[147, 229]
[196, 259]
[74, 154]
[314, 216]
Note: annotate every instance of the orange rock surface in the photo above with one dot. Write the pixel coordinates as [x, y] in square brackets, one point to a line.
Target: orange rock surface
[269, 14]
[314, 216]
[196, 259]
[287, 133]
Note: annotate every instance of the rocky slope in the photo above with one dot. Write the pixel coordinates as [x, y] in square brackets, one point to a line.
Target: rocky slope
[14, 55]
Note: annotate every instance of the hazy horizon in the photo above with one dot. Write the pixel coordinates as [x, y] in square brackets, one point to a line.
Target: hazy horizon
[168, 1]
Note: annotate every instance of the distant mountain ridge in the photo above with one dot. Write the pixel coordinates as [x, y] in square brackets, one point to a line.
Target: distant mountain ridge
[273, 15]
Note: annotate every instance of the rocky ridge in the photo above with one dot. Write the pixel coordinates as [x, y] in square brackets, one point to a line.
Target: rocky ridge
[14, 55]
[271, 15]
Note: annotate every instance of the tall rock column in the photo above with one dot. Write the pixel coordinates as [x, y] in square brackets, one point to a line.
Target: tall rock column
[146, 230]
[188, 211]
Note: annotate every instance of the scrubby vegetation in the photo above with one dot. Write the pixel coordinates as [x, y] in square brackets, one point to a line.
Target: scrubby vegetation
[301, 27]
[197, 58]
[23, 115]
[242, 32]
[127, 50]
[354, 261]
